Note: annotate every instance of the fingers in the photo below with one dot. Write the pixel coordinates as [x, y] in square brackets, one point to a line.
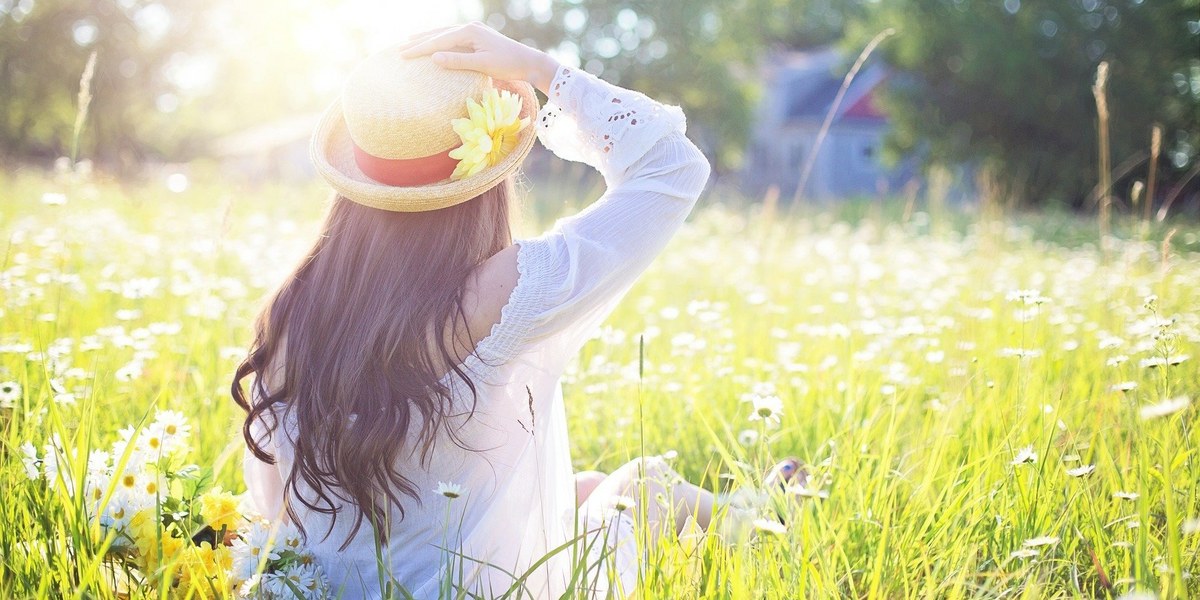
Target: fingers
[471, 61]
[453, 38]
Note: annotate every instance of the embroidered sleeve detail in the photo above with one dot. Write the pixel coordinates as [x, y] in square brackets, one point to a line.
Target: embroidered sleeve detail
[589, 120]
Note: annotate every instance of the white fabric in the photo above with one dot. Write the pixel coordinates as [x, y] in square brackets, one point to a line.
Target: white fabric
[520, 498]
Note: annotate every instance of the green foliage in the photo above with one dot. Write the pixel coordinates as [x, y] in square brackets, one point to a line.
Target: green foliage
[1008, 84]
[703, 55]
[44, 45]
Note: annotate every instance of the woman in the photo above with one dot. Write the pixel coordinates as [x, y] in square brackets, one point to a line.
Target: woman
[417, 349]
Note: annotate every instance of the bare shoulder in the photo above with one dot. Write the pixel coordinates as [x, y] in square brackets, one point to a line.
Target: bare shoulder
[485, 295]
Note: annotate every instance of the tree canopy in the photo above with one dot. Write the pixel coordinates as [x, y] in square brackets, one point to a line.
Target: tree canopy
[1004, 84]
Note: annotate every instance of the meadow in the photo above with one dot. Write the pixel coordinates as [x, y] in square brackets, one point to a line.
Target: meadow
[990, 405]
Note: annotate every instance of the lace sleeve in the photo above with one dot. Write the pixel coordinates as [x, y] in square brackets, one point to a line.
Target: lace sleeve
[589, 120]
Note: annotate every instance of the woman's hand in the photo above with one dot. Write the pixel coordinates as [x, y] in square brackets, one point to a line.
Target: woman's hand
[477, 47]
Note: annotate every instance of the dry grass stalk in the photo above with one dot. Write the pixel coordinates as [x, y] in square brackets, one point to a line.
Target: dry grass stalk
[83, 102]
[1100, 91]
[837, 102]
[1155, 148]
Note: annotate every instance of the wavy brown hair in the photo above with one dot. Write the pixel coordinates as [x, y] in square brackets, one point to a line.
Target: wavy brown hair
[366, 326]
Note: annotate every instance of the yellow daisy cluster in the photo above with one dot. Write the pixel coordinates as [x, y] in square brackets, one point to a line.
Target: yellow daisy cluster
[489, 132]
[220, 510]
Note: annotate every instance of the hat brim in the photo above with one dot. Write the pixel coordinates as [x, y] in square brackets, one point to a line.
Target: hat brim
[332, 154]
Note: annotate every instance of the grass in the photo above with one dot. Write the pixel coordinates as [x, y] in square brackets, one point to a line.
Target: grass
[912, 373]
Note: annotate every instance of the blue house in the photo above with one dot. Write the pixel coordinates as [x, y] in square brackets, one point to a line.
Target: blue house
[800, 88]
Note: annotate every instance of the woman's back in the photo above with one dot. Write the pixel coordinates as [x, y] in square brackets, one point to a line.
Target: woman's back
[501, 431]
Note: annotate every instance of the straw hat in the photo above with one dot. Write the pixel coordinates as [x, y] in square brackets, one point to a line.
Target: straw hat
[385, 142]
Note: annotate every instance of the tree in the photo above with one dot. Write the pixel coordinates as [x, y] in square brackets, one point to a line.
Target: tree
[701, 54]
[1008, 84]
[44, 46]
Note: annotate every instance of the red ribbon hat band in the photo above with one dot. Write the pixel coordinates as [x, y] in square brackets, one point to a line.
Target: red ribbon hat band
[405, 171]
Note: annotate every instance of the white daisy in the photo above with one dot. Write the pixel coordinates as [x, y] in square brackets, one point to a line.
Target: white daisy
[173, 424]
[30, 460]
[288, 537]
[1025, 455]
[1124, 386]
[1024, 553]
[623, 503]
[747, 437]
[10, 392]
[1081, 471]
[1045, 540]
[450, 490]
[766, 408]
[1126, 495]
[1165, 408]
[769, 526]
[254, 542]
[807, 492]
[1191, 526]
[52, 452]
[54, 199]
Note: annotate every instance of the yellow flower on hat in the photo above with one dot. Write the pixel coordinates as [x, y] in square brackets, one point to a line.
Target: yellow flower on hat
[489, 132]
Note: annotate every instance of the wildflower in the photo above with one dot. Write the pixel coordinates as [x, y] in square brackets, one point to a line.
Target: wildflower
[1025, 455]
[488, 133]
[769, 526]
[54, 199]
[1165, 408]
[1081, 471]
[1027, 297]
[253, 548]
[130, 371]
[623, 503]
[1045, 540]
[1024, 553]
[747, 437]
[450, 490]
[203, 570]
[52, 452]
[1117, 360]
[30, 460]
[1154, 362]
[804, 491]
[10, 392]
[1124, 386]
[172, 423]
[288, 537]
[1126, 495]
[767, 408]
[220, 510]
[1191, 526]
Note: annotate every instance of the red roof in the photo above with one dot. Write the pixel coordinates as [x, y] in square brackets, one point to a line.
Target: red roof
[866, 108]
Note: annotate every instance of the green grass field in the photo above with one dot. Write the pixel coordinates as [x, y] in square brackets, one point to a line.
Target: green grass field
[993, 408]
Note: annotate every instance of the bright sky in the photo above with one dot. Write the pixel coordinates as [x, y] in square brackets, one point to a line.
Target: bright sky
[388, 21]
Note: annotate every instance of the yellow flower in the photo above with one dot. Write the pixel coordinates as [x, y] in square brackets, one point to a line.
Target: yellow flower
[220, 509]
[488, 133]
[204, 572]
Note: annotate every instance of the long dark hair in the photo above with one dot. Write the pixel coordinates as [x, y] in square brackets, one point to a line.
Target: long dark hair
[367, 326]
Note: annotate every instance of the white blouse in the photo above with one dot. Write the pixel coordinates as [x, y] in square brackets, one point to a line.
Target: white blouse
[519, 500]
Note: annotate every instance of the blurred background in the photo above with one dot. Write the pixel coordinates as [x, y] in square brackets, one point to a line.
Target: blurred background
[965, 97]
